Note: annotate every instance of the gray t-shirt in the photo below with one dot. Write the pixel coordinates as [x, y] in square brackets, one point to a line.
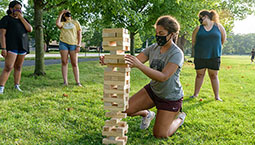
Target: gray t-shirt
[170, 89]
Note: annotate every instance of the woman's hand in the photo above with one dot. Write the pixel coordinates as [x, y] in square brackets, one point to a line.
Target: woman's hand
[4, 53]
[63, 11]
[133, 61]
[19, 14]
[78, 48]
[101, 60]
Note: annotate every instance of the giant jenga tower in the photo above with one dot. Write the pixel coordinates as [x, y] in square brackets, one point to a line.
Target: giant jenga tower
[116, 85]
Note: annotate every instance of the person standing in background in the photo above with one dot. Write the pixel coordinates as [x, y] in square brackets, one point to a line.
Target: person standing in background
[207, 40]
[70, 43]
[14, 30]
[252, 55]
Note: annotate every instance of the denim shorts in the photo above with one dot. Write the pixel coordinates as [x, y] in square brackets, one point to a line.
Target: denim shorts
[18, 52]
[65, 46]
[163, 104]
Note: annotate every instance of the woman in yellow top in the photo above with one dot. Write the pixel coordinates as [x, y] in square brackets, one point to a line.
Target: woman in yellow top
[70, 43]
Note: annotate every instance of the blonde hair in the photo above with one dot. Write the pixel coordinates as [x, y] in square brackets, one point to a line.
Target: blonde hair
[170, 24]
[212, 14]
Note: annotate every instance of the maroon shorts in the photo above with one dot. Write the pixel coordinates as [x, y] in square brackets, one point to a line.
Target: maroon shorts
[163, 104]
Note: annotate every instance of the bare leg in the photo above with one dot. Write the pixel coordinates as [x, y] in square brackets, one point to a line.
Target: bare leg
[8, 66]
[213, 74]
[74, 62]
[166, 123]
[64, 60]
[18, 68]
[139, 103]
[199, 80]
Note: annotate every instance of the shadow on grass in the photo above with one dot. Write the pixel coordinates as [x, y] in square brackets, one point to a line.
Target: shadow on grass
[192, 103]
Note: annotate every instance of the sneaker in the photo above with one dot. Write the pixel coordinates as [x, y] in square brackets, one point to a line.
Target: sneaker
[147, 120]
[182, 116]
[219, 99]
[18, 88]
[1, 89]
[79, 84]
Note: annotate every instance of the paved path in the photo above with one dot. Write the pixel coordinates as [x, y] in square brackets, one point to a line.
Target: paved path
[53, 61]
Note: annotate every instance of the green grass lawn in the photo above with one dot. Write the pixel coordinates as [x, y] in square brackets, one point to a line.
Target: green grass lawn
[42, 115]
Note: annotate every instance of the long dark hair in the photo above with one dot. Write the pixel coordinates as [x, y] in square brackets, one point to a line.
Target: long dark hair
[212, 14]
[170, 24]
[12, 5]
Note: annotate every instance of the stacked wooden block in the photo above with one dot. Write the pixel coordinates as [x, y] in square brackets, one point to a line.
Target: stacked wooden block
[116, 85]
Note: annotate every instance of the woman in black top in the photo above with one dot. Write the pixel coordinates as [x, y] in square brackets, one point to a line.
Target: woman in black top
[14, 43]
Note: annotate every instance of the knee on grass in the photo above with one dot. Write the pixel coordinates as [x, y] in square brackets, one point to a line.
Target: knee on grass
[160, 135]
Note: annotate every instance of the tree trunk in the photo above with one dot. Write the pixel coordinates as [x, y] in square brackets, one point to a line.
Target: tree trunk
[132, 43]
[39, 45]
[181, 42]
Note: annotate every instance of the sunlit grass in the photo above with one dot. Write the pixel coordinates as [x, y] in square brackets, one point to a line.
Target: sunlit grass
[42, 115]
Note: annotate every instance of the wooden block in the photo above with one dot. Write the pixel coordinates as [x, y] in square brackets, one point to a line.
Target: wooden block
[120, 59]
[120, 96]
[125, 92]
[116, 87]
[116, 114]
[115, 30]
[115, 122]
[117, 52]
[117, 70]
[115, 131]
[116, 100]
[116, 41]
[118, 141]
[115, 35]
[116, 108]
[117, 73]
[120, 67]
[113, 48]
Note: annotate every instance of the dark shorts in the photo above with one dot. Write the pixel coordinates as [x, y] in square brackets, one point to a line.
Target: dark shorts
[163, 104]
[212, 63]
[252, 57]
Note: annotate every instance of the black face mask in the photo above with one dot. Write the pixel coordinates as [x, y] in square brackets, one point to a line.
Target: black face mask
[161, 40]
[68, 14]
[201, 21]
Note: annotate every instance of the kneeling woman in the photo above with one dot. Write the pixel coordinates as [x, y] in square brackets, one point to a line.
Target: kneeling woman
[164, 91]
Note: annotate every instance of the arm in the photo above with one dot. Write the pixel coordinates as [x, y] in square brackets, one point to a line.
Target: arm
[79, 36]
[194, 35]
[223, 34]
[141, 57]
[3, 42]
[58, 21]
[167, 72]
[28, 27]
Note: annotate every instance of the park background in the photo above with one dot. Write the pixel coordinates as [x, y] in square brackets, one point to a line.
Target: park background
[42, 115]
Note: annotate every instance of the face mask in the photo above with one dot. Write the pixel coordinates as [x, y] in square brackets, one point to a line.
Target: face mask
[16, 10]
[161, 40]
[201, 21]
[68, 14]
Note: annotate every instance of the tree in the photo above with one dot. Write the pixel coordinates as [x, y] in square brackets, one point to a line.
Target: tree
[3, 5]
[39, 7]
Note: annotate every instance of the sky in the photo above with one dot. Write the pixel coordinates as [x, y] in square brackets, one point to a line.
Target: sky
[245, 26]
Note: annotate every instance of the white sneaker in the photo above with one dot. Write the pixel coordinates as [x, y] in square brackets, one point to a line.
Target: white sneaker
[1, 89]
[182, 116]
[147, 120]
[18, 88]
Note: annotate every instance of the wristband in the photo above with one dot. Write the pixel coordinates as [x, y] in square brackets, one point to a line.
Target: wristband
[3, 48]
